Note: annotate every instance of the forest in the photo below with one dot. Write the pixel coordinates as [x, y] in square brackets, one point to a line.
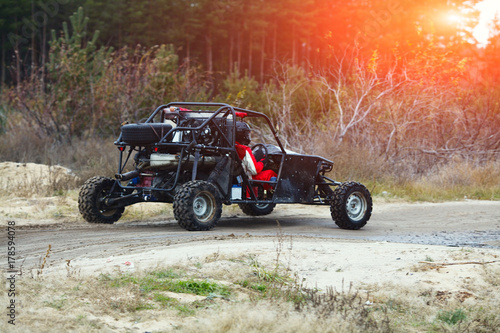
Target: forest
[247, 36]
[394, 89]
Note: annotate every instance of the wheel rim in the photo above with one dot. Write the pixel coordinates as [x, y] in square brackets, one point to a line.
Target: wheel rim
[204, 207]
[356, 206]
[261, 206]
[102, 206]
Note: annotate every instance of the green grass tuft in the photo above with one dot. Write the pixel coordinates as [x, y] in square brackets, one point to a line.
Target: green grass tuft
[452, 317]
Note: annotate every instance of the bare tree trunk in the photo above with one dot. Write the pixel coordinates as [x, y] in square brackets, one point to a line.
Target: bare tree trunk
[43, 45]
[294, 55]
[262, 57]
[275, 37]
[239, 51]
[43, 59]
[250, 54]
[188, 60]
[318, 56]
[18, 65]
[231, 50]
[3, 62]
[120, 34]
[33, 42]
[308, 54]
[209, 51]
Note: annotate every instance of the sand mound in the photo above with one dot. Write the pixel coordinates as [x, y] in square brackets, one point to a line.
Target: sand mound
[35, 178]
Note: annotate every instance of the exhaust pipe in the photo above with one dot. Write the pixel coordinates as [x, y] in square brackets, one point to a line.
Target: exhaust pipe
[128, 175]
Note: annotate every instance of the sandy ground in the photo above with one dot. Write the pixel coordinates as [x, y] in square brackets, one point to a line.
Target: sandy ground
[322, 263]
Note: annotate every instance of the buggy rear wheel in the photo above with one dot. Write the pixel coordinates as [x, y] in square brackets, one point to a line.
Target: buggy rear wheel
[197, 206]
[351, 206]
[253, 209]
[91, 201]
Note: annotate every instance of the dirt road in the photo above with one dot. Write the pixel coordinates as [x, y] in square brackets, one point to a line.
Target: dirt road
[456, 224]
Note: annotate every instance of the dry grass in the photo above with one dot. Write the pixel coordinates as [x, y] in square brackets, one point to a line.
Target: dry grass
[432, 310]
[456, 180]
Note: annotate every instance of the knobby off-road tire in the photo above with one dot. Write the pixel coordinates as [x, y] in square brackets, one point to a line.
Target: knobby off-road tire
[145, 133]
[197, 206]
[257, 209]
[91, 201]
[351, 206]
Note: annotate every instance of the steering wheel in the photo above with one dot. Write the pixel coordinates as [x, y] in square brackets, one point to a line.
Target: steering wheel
[260, 152]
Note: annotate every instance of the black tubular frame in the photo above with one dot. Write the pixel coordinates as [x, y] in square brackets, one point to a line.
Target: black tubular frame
[188, 148]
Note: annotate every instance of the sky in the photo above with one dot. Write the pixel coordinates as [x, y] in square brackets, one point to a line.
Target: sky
[488, 9]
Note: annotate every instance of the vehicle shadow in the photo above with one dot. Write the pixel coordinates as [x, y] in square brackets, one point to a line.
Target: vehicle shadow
[234, 223]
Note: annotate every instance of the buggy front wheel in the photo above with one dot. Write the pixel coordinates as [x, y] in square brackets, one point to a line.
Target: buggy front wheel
[197, 206]
[351, 206]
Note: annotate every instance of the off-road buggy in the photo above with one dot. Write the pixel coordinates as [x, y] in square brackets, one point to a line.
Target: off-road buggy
[191, 161]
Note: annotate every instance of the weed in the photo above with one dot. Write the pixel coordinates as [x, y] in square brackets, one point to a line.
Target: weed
[203, 288]
[165, 301]
[144, 306]
[70, 271]
[166, 281]
[491, 275]
[57, 304]
[44, 261]
[185, 310]
[259, 287]
[166, 274]
[263, 274]
[452, 317]
[213, 257]
[349, 305]
[121, 280]
[396, 305]
[172, 303]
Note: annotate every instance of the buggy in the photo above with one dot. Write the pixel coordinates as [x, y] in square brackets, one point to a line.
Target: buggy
[184, 153]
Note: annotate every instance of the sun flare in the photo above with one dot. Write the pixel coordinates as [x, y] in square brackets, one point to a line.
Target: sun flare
[455, 18]
[489, 10]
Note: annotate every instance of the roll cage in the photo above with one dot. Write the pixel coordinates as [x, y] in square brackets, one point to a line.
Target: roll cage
[210, 132]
